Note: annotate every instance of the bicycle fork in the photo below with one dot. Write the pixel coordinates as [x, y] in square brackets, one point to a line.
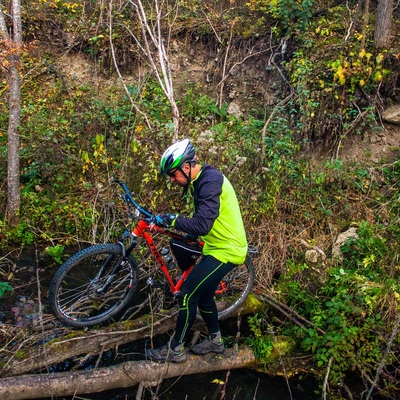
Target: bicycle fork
[120, 263]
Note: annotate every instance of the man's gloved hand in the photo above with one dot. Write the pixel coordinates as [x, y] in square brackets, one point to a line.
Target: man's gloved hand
[164, 220]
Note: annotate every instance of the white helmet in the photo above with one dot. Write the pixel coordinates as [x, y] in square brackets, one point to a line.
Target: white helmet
[176, 155]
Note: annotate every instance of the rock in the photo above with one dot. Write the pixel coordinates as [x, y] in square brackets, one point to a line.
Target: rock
[312, 256]
[340, 241]
[392, 114]
[234, 109]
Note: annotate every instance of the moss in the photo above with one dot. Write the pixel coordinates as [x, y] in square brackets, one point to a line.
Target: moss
[70, 335]
[282, 345]
[254, 304]
[21, 354]
[73, 334]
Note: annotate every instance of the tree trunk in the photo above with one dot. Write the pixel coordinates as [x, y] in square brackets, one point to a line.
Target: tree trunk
[383, 23]
[175, 119]
[124, 375]
[13, 181]
[79, 344]
[14, 43]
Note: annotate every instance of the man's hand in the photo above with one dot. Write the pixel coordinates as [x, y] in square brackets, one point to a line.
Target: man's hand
[164, 220]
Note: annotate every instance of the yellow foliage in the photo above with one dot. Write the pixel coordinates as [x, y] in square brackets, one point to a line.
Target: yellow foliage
[377, 76]
[379, 58]
[340, 75]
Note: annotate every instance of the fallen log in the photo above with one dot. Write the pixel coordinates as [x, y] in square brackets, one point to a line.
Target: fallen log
[124, 375]
[75, 343]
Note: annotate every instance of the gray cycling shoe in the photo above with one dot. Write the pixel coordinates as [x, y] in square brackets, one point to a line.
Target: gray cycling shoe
[165, 353]
[208, 346]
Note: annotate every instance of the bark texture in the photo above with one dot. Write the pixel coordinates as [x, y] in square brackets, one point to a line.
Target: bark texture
[124, 375]
[75, 344]
[13, 42]
[383, 24]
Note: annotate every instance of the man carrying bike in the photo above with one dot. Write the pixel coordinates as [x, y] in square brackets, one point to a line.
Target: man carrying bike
[218, 222]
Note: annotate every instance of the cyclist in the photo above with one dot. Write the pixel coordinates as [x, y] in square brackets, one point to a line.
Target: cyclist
[218, 221]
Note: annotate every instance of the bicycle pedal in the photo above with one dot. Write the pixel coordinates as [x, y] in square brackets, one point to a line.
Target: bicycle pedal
[155, 284]
[150, 281]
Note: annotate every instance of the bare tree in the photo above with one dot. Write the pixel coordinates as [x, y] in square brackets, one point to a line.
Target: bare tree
[12, 42]
[383, 23]
[154, 45]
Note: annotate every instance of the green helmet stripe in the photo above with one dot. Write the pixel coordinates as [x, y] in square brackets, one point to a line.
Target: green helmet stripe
[176, 163]
[183, 151]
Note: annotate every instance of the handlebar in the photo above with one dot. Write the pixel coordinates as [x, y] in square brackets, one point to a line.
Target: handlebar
[128, 198]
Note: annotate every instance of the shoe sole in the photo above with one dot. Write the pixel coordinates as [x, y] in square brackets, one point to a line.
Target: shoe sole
[164, 361]
[152, 358]
[203, 352]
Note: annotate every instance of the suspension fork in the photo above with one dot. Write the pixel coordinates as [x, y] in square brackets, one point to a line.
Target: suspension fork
[126, 251]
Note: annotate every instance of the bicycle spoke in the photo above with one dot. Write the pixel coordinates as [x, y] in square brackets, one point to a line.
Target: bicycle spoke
[93, 286]
[238, 285]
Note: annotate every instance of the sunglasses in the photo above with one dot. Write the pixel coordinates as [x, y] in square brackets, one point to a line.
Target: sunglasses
[171, 174]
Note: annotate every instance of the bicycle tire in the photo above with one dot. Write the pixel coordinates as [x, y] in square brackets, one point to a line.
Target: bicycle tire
[75, 297]
[239, 283]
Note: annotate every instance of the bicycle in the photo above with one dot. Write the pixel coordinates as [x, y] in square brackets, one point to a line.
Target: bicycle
[104, 282]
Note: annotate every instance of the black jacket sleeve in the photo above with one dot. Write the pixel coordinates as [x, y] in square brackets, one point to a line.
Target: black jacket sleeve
[207, 192]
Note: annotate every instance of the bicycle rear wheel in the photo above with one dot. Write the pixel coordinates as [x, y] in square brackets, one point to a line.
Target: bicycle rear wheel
[238, 284]
[93, 286]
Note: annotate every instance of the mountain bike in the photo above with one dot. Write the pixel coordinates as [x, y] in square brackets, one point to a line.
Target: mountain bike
[106, 282]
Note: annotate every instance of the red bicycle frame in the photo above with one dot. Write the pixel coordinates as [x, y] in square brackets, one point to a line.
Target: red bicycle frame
[142, 230]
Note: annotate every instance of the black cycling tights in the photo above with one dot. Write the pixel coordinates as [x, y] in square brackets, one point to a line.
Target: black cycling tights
[198, 291]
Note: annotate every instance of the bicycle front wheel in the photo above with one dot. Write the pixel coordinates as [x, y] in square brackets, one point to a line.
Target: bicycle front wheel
[93, 286]
[236, 286]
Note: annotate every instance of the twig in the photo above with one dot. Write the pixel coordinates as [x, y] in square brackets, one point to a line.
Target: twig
[326, 379]
[119, 73]
[223, 392]
[212, 27]
[365, 23]
[383, 361]
[40, 311]
[284, 369]
[228, 47]
[139, 391]
[152, 35]
[255, 392]
[289, 312]
[347, 390]
[239, 63]
[99, 357]
[353, 23]
[264, 129]
[152, 322]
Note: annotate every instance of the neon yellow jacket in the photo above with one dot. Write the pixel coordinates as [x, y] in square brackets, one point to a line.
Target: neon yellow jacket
[217, 218]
